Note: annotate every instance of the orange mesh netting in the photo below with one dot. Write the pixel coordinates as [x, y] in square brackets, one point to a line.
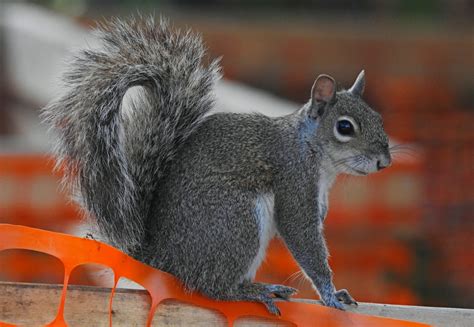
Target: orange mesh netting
[73, 252]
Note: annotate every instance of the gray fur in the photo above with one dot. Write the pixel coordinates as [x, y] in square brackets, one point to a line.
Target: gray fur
[190, 194]
[115, 179]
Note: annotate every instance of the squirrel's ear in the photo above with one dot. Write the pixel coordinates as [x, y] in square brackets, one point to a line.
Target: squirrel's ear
[359, 85]
[322, 93]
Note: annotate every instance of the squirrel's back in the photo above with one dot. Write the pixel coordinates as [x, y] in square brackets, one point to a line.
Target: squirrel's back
[230, 147]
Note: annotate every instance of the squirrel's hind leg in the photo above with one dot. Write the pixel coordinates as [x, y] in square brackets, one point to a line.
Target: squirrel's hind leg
[255, 292]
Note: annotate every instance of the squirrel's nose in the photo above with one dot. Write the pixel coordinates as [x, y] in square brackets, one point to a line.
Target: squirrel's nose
[384, 162]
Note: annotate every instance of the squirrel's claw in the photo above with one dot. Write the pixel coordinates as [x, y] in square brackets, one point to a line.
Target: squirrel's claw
[344, 296]
[275, 291]
[282, 292]
[272, 308]
[336, 299]
[334, 303]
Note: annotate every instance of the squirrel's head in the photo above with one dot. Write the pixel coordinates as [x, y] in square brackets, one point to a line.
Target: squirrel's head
[350, 133]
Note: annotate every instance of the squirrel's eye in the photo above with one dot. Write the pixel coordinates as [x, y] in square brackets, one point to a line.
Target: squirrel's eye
[345, 127]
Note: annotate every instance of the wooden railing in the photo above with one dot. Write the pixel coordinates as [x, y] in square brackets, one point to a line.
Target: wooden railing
[35, 304]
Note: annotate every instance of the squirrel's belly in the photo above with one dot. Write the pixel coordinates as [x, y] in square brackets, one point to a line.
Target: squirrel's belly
[264, 205]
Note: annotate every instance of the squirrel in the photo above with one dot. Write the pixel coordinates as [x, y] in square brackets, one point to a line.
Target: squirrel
[196, 194]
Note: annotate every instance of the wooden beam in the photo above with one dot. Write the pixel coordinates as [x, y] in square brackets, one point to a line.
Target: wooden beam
[36, 304]
[436, 316]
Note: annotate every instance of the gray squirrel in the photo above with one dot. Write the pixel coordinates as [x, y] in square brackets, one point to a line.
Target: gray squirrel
[200, 195]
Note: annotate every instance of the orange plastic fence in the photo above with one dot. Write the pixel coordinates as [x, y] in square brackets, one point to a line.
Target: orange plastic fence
[73, 252]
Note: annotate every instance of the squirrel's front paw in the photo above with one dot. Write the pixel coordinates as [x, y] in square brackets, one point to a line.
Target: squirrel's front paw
[333, 302]
[335, 299]
[344, 296]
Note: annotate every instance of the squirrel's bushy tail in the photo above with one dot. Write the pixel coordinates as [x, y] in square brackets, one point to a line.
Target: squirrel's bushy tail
[113, 160]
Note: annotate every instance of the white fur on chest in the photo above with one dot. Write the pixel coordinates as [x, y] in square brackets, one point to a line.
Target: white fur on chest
[324, 185]
[323, 189]
[264, 205]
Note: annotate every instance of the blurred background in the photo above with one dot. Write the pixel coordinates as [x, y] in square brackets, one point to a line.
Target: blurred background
[405, 235]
